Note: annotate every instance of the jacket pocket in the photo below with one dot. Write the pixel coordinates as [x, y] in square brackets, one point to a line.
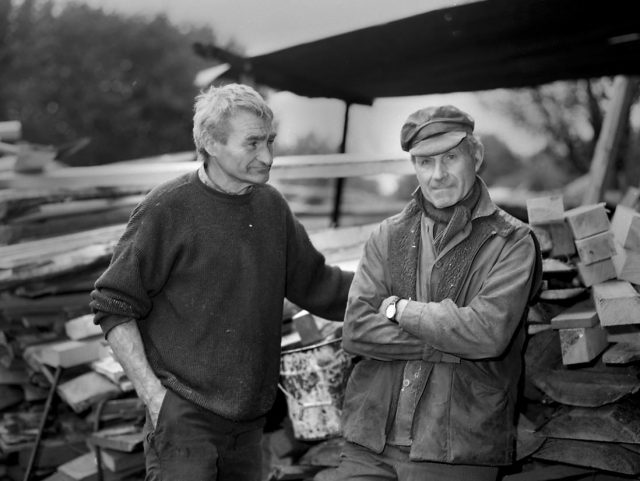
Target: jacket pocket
[482, 420]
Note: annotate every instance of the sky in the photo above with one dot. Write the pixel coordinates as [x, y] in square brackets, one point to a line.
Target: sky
[261, 26]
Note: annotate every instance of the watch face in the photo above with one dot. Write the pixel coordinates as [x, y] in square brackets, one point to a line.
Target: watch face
[391, 310]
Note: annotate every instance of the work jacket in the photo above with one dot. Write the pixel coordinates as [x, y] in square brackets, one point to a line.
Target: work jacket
[470, 342]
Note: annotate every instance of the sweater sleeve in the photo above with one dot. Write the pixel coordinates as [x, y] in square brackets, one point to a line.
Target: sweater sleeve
[311, 283]
[366, 332]
[139, 267]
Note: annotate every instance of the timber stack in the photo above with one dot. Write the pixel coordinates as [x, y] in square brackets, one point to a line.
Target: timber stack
[67, 410]
[582, 377]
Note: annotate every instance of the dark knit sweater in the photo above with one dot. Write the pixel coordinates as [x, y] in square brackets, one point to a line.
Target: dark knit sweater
[205, 275]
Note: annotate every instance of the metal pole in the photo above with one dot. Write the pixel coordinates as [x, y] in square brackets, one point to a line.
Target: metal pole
[337, 199]
[43, 422]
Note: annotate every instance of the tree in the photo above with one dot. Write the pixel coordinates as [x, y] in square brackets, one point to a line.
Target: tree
[124, 82]
[569, 114]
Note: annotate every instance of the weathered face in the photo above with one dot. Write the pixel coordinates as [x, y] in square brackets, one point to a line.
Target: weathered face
[246, 157]
[445, 179]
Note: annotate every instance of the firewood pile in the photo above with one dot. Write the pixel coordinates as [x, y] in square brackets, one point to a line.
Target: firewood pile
[582, 378]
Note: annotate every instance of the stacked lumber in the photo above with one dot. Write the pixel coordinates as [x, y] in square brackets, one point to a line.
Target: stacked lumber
[582, 377]
[56, 238]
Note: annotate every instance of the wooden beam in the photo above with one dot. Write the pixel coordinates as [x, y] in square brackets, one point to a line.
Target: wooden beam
[610, 136]
[328, 166]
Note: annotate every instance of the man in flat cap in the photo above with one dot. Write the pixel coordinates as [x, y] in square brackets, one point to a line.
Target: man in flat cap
[435, 314]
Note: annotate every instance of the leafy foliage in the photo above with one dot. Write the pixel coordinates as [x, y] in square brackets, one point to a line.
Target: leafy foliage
[124, 82]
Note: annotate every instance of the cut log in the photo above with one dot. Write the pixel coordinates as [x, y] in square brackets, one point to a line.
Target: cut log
[582, 314]
[627, 264]
[545, 210]
[582, 344]
[596, 272]
[617, 302]
[587, 220]
[617, 423]
[605, 456]
[596, 247]
[625, 226]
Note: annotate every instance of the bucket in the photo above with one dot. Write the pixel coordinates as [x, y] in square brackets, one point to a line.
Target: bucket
[313, 380]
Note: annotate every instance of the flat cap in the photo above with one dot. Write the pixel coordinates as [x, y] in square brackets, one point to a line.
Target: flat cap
[434, 130]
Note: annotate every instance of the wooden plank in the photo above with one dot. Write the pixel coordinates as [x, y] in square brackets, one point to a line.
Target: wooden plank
[596, 272]
[621, 353]
[631, 198]
[71, 353]
[81, 328]
[587, 220]
[545, 210]
[118, 461]
[74, 207]
[626, 333]
[83, 391]
[27, 253]
[15, 202]
[327, 166]
[617, 302]
[561, 240]
[582, 344]
[608, 142]
[595, 248]
[627, 264]
[625, 226]
[581, 314]
[125, 438]
[586, 387]
[14, 233]
[551, 473]
[616, 423]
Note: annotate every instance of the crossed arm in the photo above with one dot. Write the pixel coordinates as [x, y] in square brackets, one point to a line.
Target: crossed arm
[481, 329]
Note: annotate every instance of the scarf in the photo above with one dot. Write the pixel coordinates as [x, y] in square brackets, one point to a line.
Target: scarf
[449, 220]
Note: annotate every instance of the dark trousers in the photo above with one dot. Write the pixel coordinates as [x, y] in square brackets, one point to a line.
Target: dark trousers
[193, 444]
[358, 463]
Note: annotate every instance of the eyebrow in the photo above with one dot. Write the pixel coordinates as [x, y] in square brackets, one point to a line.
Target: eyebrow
[261, 137]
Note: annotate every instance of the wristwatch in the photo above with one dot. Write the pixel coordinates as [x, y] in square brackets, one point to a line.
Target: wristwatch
[392, 309]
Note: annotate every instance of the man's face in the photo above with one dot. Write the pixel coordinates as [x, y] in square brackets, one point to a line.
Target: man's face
[445, 179]
[246, 157]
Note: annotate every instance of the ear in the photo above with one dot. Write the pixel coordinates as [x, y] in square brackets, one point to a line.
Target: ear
[210, 148]
[479, 156]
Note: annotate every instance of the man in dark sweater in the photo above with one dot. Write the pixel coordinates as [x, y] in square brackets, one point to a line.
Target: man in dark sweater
[192, 301]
